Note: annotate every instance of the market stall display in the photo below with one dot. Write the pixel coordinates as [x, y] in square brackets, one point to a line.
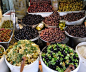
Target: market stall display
[57, 57]
[45, 28]
[23, 48]
[26, 32]
[30, 19]
[52, 35]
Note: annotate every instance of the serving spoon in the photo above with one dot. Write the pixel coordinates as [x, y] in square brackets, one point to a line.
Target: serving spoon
[70, 68]
[22, 64]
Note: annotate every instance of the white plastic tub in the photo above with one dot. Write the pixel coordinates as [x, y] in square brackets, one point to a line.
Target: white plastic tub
[29, 68]
[3, 66]
[78, 22]
[47, 69]
[83, 60]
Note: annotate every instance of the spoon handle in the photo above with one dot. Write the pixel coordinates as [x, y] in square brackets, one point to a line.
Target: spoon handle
[71, 67]
[22, 64]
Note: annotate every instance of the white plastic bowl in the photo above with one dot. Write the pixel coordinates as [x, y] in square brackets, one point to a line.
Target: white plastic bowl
[47, 69]
[83, 60]
[28, 68]
[3, 66]
[78, 22]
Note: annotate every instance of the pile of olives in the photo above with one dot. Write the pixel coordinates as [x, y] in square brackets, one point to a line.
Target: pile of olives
[30, 19]
[70, 5]
[26, 33]
[7, 24]
[59, 56]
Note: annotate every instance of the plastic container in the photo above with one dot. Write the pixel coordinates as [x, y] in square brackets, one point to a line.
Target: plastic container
[47, 69]
[54, 4]
[5, 44]
[83, 60]
[33, 67]
[43, 14]
[20, 8]
[78, 22]
[30, 39]
[75, 40]
[3, 66]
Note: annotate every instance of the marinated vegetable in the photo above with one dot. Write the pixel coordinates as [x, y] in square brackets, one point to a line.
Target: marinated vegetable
[59, 56]
[5, 35]
[7, 24]
[1, 52]
[22, 48]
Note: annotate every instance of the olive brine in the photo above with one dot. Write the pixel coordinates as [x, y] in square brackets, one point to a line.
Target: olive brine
[59, 56]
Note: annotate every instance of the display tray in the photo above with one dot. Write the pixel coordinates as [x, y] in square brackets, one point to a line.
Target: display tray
[7, 18]
[5, 44]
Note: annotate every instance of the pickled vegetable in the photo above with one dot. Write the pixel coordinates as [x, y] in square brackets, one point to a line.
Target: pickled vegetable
[22, 48]
[7, 24]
